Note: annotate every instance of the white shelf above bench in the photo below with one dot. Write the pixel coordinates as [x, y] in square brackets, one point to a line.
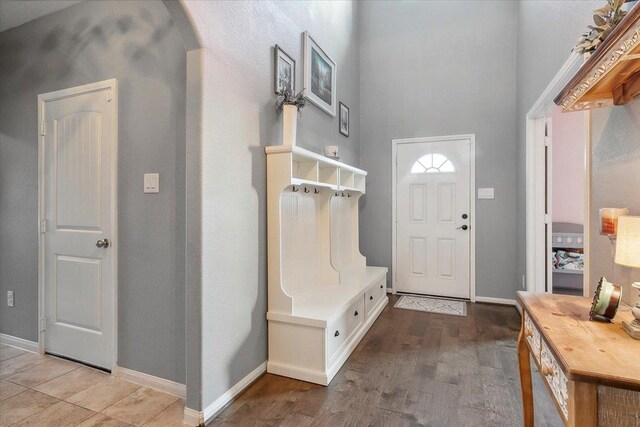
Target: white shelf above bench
[313, 169]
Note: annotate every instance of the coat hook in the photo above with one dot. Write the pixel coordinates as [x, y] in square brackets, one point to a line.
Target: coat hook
[349, 195]
[315, 190]
[337, 194]
[343, 194]
[306, 190]
[295, 190]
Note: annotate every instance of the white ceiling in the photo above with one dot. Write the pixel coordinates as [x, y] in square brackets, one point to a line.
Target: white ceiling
[17, 12]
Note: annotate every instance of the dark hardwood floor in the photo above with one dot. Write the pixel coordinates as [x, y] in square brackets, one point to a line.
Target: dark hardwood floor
[412, 368]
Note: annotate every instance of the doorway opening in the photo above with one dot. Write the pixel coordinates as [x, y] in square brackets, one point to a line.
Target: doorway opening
[566, 181]
[539, 193]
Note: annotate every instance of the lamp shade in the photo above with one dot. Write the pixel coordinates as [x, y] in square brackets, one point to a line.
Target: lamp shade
[628, 243]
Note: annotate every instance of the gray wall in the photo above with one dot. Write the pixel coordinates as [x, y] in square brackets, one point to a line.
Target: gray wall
[135, 42]
[441, 68]
[547, 30]
[239, 121]
[615, 182]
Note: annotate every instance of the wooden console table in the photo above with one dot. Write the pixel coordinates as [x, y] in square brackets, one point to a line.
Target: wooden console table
[590, 369]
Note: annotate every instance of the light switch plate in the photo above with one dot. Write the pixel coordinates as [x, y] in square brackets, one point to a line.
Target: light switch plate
[485, 193]
[151, 182]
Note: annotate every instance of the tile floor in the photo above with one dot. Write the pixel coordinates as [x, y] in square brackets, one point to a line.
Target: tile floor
[44, 391]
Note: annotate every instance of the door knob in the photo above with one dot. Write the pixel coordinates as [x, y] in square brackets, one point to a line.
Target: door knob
[103, 244]
[465, 216]
[464, 227]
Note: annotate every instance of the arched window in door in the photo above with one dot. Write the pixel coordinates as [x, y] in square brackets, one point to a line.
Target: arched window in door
[433, 163]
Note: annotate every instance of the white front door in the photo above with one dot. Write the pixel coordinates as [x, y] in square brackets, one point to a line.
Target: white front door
[433, 217]
[78, 131]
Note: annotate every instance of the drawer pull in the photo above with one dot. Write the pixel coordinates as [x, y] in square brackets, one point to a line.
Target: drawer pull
[371, 297]
[548, 370]
[336, 334]
[356, 313]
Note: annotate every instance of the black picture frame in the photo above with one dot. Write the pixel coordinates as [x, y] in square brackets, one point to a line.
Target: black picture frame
[280, 53]
[343, 119]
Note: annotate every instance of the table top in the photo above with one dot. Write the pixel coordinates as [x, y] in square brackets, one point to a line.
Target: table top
[590, 351]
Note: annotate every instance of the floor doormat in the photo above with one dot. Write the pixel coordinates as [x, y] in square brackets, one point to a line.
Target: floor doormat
[432, 305]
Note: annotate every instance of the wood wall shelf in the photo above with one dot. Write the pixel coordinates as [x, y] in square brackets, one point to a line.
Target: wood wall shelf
[611, 76]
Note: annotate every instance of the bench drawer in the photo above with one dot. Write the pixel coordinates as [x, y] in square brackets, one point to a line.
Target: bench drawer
[340, 330]
[374, 294]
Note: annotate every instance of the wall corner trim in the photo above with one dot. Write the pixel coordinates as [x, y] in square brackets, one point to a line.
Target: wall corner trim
[157, 383]
[21, 343]
[196, 418]
[193, 417]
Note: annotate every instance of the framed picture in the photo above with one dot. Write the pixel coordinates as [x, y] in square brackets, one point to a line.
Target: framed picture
[319, 76]
[343, 120]
[284, 71]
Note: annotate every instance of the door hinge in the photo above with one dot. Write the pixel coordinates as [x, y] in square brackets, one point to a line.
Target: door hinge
[43, 226]
[43, 128]
[109, 96]
[547, 141]
[43, 324]
[547, 219]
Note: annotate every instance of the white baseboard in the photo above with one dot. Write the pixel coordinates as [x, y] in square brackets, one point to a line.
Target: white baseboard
[20, 343]
[491, 300]
[193, 417]
[316, 377]
[196, 418]
[157, 383]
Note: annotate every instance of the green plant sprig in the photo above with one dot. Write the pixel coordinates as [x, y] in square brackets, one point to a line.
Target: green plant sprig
[605, 19]
[289, 97]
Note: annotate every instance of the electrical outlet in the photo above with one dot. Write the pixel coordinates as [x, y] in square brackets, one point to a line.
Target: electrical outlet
[524, 285]
[10, 298]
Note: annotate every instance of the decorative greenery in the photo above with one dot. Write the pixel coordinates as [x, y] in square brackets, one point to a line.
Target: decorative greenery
[289, 97]
[605, 19]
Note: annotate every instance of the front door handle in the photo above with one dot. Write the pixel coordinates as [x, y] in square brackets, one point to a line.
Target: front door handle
[464, 227]
[103, 244]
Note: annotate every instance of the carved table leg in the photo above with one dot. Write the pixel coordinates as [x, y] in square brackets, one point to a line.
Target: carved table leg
[525, 377]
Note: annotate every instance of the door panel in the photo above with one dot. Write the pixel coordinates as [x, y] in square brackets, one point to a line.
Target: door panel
[432, 195]
[79, 208]
[77, 150]
[417, 202]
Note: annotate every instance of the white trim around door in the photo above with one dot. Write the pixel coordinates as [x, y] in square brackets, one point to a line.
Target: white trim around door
[111, 86]
[472, 204]
[536, 215]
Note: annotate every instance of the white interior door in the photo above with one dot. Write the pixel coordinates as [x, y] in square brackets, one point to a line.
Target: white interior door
[78, 131]
[433, 209]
